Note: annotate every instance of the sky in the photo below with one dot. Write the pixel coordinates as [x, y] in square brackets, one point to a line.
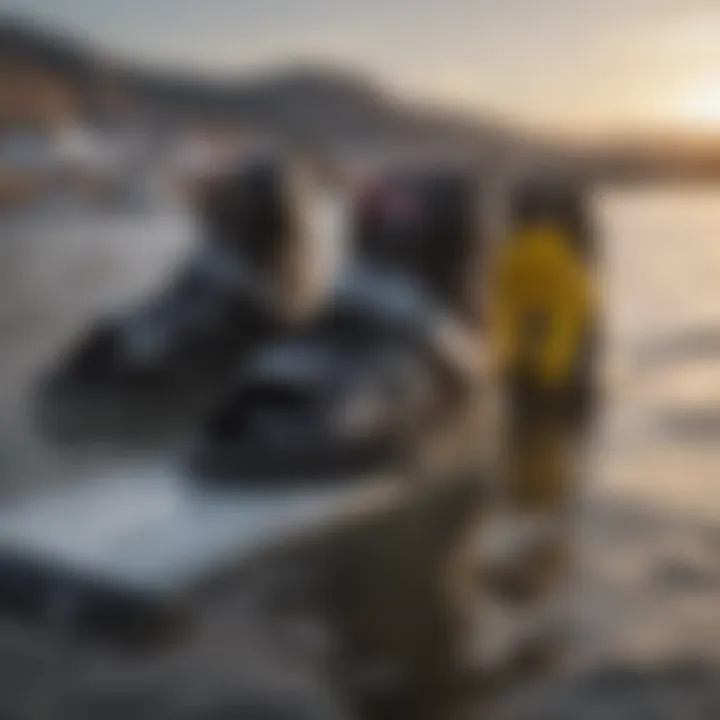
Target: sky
[574, 66]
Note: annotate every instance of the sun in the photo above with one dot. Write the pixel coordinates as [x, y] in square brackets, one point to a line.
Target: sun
[700, 106]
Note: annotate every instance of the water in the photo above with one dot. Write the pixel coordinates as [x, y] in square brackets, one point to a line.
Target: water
[661, 267]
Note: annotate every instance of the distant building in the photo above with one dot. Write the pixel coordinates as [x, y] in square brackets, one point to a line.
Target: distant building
[32, 96]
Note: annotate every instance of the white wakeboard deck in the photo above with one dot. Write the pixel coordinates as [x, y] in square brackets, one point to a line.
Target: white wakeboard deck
[161, 535]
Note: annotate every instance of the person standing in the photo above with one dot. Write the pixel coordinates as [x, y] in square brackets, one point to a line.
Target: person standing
[544, 336]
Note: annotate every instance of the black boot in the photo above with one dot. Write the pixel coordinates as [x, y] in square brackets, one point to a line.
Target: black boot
[166, 360]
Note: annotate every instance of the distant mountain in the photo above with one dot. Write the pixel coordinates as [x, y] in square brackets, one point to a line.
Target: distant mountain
[311, 103]
[64, 56]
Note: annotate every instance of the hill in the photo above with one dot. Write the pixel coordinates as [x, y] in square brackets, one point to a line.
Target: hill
[316, 104]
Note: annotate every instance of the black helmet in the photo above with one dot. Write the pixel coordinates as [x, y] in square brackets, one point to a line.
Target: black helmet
[557, 200]
[251, 208]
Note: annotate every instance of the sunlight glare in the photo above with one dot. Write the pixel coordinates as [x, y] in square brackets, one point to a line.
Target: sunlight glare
[701, 105]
